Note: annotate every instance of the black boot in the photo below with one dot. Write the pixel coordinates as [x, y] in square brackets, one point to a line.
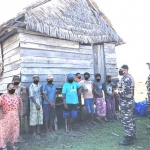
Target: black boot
[128, 141]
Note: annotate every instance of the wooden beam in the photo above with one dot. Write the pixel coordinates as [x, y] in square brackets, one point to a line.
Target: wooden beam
[32, 59]
[11, 40]
[32, 71]
[53, 54]
[54, 48]
[11, 47]
[47, 41]
[4, 37]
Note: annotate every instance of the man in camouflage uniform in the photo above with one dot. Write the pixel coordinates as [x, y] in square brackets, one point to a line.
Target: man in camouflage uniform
[126, 97]
[148, 97]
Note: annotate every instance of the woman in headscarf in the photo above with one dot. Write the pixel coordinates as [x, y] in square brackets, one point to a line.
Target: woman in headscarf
[9, 119]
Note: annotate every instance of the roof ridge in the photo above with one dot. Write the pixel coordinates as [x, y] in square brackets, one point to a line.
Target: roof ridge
[36, 4]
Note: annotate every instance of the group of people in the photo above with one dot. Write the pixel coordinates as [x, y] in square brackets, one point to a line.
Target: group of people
[92, 93]
[11, 105]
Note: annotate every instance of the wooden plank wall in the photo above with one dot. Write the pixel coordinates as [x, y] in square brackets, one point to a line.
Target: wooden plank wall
[44, 55]
[11, 61]
[110, 60]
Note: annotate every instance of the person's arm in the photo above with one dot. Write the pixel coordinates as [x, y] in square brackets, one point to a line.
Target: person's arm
[127, 86]
[34, 101]
[20, 105]
[64, 101]
[80, 87]
[1, 114]
[64, 96]
[46, 97]
[48, 100]
[55, 96]
[104, 89]
[95, 91]
[21, 108]
[55, 99]
[101, 95]
[32, 98]
[23, 90]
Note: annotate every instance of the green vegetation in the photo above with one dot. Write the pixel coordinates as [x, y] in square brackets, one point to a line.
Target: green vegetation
[84, 137]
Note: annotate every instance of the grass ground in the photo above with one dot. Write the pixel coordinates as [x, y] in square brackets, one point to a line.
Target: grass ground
[96, 137]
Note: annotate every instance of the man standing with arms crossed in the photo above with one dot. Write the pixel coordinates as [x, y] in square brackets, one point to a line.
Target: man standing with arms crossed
[126, 96]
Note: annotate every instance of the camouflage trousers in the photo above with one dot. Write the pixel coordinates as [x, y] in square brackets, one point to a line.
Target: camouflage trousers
[127, 117]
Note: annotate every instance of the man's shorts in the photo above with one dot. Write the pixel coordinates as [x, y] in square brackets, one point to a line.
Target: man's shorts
[71, 111]
[89, 104]
[49, 112]
[36, 116]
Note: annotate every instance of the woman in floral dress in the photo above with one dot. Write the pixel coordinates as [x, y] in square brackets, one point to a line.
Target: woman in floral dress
[9, 118]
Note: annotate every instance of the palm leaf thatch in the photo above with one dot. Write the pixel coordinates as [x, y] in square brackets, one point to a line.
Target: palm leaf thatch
[75, 20]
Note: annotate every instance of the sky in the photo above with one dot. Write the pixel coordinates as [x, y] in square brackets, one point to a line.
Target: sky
[131, 20]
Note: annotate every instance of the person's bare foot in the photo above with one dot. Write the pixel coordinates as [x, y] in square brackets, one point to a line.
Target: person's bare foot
[93, 122]
[47, 132]
[14, 147]
[105, 119]
[100, 120]
[34, 134]
[20, 139]
[69, 129]
[50, 130]
[39, 132]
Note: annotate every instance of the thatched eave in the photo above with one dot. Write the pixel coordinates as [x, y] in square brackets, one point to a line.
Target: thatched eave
[75, 20]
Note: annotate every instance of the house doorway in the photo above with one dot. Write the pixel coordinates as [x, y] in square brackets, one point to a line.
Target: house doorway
[99, 61]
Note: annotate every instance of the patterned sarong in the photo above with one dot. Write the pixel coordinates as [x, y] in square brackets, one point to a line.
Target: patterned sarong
[101, 107]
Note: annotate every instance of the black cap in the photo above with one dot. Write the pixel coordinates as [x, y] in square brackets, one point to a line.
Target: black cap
[125, 67]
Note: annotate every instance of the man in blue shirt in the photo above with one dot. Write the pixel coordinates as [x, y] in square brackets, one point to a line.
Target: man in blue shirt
[70, 97]
[49, 91]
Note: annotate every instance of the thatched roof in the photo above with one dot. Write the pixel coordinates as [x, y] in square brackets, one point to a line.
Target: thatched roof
[76, 20]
